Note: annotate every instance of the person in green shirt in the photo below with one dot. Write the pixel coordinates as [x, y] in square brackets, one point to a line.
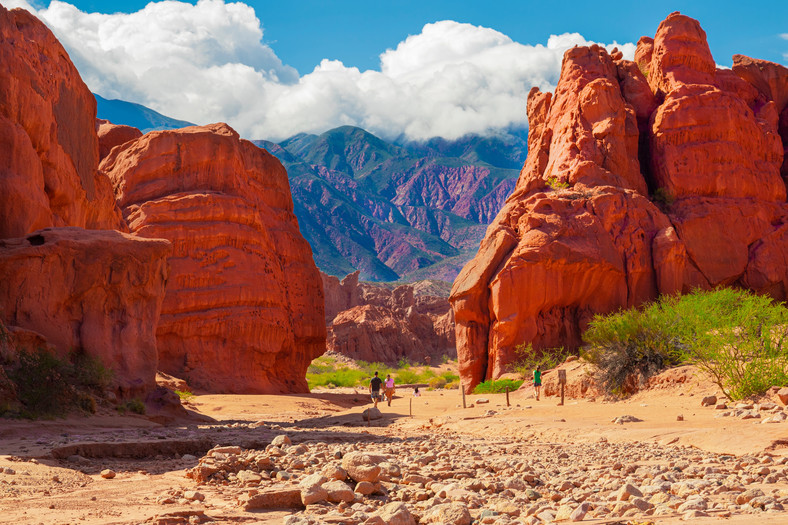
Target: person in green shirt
[537, 382]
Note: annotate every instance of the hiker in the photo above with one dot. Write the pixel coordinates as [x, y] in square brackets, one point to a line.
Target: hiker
[537, 382]
[416, 392]
[374, 388]
[389, 388]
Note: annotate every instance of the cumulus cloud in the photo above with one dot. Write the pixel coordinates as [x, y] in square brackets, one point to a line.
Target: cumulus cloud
[208, 62]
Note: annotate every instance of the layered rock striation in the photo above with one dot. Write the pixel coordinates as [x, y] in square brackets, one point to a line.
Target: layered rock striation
[375, 323]
[643, 178]
[71, 282]
[96, 292]
[48, 144]
[243, 311]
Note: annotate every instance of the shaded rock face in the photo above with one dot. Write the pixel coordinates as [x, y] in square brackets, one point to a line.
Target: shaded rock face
[48, 144]
[377, 324]
[580, 234]
[99, 292]
[243, 311]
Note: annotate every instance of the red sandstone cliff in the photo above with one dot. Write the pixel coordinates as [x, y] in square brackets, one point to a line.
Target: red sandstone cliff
[67, 288]
[374, 323]
[48, 143]
[580, 235]
[243, 311]
[92, 291]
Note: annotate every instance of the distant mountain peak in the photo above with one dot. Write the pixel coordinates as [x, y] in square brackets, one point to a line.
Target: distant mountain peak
[135, 115]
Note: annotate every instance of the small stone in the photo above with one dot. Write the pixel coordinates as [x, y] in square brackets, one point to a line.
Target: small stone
[193, 495]
[482, 400]
[580, 512]
[628, 490]
[680, 417]
[281, 441]
[708, 401]
[107, 473]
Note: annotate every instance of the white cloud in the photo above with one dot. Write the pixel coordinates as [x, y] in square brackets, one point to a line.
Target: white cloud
[208, 62]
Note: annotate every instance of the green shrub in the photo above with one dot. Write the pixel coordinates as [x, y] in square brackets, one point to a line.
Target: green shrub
[628, 347]
[741, 341]
[135, 406]
[555, 184]
[497, 387]
[41, 381]
[406, 377]
[185, 395]
[89, 372]
[449, 376]
[662, 198]
[437, 382]
[346, 377]
[453, 385]
[734, 336]
[528, 359]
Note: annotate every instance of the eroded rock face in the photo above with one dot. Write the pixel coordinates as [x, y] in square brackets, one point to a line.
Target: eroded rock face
[243, 311]
[377, 324]
[94, 291]
[48, 144]
[111, 135]
[580, 234]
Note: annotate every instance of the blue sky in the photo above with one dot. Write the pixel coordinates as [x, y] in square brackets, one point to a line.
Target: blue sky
[302, 32]
[401, 68]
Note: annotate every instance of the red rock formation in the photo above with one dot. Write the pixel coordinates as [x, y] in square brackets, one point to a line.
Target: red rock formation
[243, 311]
[48, 144]
[99, 292]
[377, 324]
[111, 135]
[580, 236]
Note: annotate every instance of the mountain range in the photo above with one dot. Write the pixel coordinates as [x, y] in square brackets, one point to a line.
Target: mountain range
[395, 211]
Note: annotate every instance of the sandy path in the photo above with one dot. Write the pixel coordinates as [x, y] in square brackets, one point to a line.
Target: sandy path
[45, 490]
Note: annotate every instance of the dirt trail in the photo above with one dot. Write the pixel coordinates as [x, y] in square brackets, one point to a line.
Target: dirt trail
[36, 488]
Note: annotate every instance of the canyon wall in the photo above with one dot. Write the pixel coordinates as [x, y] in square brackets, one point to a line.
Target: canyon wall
[643, 178]
[243, 310]
[375, 323]
[71, 281]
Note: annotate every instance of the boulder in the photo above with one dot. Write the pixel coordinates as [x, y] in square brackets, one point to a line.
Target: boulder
[243, 312]
[48, 142]
[589, 229]
[92, 291]
[361, 466]
[396, 513]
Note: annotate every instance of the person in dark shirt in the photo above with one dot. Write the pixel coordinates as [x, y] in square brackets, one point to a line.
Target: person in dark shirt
[374, 388]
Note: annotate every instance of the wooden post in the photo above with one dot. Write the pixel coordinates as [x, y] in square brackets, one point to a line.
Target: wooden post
[410, 408]
[462, 387]
[507, 396]
[562, 382]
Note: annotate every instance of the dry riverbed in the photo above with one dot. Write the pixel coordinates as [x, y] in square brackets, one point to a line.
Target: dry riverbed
[659, 457]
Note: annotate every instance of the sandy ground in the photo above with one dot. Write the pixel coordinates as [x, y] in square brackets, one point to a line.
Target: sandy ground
[39, 484]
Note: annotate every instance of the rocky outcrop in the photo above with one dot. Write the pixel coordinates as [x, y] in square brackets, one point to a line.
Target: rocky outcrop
[243, 311]
[66, 288]
[111, 135]
[97, 292]
[643, 178]
[48, 143]
[375, 323]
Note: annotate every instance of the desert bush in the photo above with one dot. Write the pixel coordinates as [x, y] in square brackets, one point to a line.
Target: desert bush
[496, 387]
[184, 395]
[734, 336]
[740, 341]
[437, 382]
[630, 346]
[346, 377]
[528, 359]
[452, 385]
[406, 377]
[135, 406]
[47, 386]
